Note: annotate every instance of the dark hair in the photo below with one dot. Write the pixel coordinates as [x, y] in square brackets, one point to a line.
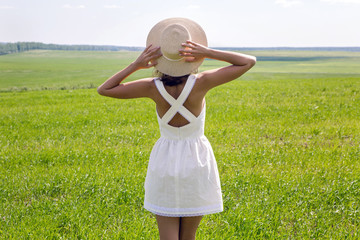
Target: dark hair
[173, 81]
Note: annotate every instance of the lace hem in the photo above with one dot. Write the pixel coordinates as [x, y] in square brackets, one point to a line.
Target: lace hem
[183, 212]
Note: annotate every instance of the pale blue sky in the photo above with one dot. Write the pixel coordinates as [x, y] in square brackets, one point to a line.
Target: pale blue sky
[236, 23]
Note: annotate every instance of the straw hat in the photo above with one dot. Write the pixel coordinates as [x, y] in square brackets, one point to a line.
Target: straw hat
[169, 34]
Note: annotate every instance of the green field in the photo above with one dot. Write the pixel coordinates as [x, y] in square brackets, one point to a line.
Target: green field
[286, 137]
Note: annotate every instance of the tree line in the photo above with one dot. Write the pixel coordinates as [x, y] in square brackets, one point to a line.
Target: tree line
[7, 48]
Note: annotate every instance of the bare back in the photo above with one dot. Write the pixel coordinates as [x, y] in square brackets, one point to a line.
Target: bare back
[194, 103]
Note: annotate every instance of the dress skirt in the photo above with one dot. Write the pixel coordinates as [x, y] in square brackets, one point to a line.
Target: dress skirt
[182, 178]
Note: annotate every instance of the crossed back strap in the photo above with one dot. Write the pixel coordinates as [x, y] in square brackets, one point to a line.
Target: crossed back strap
[177, 104]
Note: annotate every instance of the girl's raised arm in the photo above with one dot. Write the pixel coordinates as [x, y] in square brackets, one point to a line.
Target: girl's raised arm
[140, 88]
[241, 63]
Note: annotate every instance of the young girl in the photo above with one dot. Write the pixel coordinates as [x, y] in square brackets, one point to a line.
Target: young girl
[182, 182]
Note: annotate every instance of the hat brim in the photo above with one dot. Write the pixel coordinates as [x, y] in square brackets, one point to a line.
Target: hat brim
[181, 67]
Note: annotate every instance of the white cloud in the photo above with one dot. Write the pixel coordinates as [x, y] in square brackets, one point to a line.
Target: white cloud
[112, 6]
[342, 1]
[289, 3]
[6, 7]
[72, 6]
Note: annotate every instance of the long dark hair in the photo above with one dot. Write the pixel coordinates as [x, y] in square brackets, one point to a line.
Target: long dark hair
[170, 80]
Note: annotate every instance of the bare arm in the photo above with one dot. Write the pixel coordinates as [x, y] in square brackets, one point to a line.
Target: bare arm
[240, 64]
[140, 88]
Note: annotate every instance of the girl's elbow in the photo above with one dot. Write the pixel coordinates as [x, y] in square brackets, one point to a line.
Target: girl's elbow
[252, 61]
[101, 91]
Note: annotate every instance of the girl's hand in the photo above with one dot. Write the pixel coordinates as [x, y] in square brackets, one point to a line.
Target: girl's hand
[194, 51]
[148, 57]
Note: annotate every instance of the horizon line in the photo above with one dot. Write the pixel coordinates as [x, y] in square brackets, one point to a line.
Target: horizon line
[238, 47]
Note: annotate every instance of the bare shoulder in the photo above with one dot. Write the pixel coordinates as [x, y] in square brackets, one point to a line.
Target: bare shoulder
[200, 89]
[202, 82]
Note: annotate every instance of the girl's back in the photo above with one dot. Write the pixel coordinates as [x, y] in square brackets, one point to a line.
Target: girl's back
[194, 102]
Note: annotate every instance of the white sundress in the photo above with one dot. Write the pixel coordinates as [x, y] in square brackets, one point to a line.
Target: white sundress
[182, 178]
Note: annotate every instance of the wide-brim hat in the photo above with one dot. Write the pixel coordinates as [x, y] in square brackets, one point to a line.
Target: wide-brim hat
[169, 34]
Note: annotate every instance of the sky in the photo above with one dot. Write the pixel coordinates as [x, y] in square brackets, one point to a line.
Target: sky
[227, 23]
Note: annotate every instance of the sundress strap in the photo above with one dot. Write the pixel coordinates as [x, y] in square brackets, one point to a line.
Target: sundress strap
[177, 104]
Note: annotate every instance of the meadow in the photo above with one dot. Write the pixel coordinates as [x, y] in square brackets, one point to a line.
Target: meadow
[286, 136]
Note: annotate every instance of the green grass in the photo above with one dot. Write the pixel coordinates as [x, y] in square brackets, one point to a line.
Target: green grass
[286, 137]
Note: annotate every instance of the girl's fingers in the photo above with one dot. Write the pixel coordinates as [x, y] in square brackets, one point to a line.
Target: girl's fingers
[155, 55]
[150, 48]
[152, 57]
[154, 51]
[187, 45]
[187, 55]
[147, 48]
[193, 43]
[153, 63]
[187, 51]
[151, 52]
